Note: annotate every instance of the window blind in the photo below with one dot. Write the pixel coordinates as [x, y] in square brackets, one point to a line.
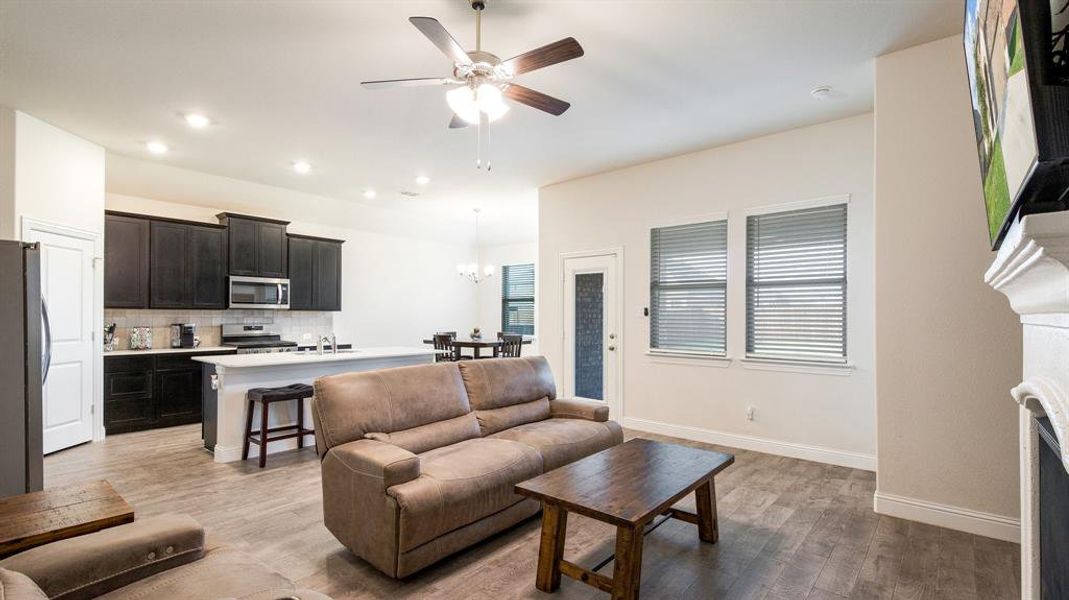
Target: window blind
[796, 284]
[688, 287]
[518, 299]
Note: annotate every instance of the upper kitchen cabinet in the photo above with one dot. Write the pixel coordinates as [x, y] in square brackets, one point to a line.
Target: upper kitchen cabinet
[187, 265]
[315, 273]
[258, 246]
[170, 265]
[207, 266]
[126, 261]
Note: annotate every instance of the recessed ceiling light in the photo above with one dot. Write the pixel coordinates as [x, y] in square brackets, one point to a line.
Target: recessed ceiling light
[822, 92]
[156, 147]
[197, 120]
[422, 179]
[302, 167]
[369, 193]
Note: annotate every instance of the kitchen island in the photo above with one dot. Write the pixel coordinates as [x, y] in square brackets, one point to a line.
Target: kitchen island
[226, 379]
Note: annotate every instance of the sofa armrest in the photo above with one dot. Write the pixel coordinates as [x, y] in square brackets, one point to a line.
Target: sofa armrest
[378, 461]
[90, 565]
[574, 408]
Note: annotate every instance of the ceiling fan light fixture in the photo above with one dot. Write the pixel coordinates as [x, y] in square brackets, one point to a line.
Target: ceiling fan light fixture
[468, 102]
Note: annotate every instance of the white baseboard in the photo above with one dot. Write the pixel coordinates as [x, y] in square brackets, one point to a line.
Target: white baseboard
[951, 517]
[843, 458]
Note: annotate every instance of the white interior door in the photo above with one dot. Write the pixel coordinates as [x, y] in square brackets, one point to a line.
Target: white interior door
[67, 288]
[591, 328]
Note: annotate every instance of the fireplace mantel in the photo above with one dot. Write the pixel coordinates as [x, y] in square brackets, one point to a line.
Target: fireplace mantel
[1032, 270]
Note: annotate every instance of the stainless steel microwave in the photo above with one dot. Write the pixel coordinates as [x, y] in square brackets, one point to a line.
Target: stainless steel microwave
[259, 292]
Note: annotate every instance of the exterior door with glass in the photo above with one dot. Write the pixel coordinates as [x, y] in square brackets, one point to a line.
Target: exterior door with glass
[591, 328]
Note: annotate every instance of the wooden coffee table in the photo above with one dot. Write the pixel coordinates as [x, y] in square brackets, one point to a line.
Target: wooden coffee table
[39, 518]
[627, 486]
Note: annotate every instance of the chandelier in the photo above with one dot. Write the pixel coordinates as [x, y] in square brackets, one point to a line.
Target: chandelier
[473, 270]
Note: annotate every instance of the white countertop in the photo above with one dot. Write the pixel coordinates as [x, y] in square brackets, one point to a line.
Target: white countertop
[271, 359]
[168, 350]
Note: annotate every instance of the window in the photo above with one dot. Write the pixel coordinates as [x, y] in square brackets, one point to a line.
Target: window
[796, 285]
[517, 299]
[688, 287]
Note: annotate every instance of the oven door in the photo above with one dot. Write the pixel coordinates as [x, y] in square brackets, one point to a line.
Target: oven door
[259, 292]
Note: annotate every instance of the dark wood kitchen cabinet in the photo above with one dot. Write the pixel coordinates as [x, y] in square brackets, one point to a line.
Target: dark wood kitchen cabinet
[207, 266]
[169, 259]
[126, 263]
[151, 391]
[258, 246]
[187, 266]
[315, 273]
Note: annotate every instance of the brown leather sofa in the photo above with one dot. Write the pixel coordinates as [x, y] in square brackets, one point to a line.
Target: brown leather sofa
[158, 557]
[420, 462]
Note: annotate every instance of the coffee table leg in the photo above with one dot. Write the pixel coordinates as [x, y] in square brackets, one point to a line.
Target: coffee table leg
[627, 572]
[705, 497]
[551, 549]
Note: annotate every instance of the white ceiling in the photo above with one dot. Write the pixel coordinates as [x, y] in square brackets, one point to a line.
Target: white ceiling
[281, 78]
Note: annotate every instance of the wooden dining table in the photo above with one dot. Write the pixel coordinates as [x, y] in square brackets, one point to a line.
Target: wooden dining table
[477, 346]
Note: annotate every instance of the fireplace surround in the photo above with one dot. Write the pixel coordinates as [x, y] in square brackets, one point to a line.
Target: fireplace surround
[1032, 270]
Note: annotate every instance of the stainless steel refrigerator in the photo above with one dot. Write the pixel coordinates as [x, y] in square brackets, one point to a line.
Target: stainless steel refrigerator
[25, 344]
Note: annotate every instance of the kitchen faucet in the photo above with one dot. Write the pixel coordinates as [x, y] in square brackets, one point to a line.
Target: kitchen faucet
[328, 338]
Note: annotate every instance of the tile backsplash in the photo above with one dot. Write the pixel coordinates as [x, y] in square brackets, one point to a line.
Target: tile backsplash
[291, 325]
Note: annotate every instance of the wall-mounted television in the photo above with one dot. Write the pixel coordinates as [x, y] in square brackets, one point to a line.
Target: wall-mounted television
[1017, 56]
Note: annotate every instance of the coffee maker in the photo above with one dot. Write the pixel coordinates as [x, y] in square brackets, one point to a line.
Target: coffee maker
[183, 335]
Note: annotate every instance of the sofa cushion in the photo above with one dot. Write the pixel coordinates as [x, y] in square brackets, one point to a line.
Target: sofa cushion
[347, 406]
[460, 484]
[496, 419]
[222, 573]
[432, 435]
[119, 555]
[497, 382]
[16, 586]
[561, 441]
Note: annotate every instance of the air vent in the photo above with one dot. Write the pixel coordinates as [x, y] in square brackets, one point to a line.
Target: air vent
[409, 193]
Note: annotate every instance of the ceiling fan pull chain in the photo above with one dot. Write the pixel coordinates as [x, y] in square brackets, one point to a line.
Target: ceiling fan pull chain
[479, 144]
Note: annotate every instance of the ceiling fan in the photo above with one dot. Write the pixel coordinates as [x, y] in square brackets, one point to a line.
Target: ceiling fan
[481, 80]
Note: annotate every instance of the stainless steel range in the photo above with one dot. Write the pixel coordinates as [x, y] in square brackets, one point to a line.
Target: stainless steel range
[255, 339]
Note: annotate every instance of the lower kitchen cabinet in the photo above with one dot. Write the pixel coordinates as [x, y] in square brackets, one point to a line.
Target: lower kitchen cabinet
[151, 391]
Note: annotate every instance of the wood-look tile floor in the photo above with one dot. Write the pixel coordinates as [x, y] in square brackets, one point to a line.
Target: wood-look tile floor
[789, 529]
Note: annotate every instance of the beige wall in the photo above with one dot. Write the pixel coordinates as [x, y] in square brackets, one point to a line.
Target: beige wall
[59, 178]
[490, 291]
[48, 175]
[821, 416]
[948, 348]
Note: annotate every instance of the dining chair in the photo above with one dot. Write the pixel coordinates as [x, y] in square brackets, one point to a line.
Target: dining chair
[451, 335]
[443, 346]
[511, 346]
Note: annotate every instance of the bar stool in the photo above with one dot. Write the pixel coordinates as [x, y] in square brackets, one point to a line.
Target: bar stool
[266, 397]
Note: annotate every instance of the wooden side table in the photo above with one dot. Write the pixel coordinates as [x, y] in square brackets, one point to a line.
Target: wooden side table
[39, 518]
[626, 486]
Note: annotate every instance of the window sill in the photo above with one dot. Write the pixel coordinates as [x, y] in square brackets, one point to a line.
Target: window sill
[793, 366]
[693, 359]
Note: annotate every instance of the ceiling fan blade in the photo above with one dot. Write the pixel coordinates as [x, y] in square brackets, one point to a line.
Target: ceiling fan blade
[458, 123]
[526, 95]
[417, 82]
[441, 38]
[547, 55]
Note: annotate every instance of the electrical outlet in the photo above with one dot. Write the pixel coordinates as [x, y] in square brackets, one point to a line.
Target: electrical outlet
[749, 413]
